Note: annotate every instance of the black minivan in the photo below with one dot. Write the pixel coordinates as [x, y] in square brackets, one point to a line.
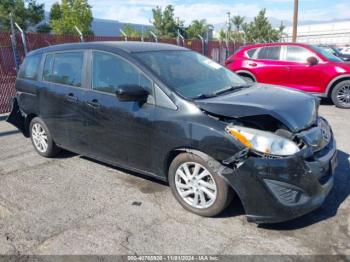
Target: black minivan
[170, 113]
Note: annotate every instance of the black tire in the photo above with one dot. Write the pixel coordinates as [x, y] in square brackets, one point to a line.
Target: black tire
[224, 192]
[51, 149]
[336, 91]
[247, 78]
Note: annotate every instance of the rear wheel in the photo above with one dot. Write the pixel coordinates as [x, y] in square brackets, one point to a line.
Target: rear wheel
[341, 94]
[42, 139]
[197, 187]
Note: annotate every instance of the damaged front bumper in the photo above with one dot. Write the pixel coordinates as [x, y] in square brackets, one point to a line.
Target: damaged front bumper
[276, 190]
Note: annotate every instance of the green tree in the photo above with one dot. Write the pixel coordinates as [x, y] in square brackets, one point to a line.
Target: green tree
[260, 29]
[25, 13]
[164, 22]
[222, 35]
[197, 27]
[43, 28]
[281, 30]
[237, 21]
[72, 13]
[131, 31]
[55, 12]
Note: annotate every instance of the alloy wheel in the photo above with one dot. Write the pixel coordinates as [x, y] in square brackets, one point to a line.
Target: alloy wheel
[343, 95]
[39, 138]
[195, 185]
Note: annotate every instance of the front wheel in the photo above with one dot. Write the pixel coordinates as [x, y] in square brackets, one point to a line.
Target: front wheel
[341, 94]
[247, 78]
[42, 139]
[197, 187]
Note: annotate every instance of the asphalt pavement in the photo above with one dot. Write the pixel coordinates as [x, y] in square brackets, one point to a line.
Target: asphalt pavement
[74, 205]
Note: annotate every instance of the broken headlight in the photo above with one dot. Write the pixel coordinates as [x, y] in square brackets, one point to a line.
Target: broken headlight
[262, 141]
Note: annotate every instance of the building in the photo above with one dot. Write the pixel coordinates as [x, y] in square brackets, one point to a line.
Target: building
[104, 27]
[332, 33]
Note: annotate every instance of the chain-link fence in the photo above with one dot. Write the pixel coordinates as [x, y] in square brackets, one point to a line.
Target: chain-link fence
[215, 50]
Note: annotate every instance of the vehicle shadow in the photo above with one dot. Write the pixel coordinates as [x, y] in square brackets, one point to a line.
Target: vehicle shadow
[326, 102]
[129, 172]
[63, 154]
[339, 193]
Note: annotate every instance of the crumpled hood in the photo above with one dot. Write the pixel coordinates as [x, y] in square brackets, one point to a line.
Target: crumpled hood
[296, 110]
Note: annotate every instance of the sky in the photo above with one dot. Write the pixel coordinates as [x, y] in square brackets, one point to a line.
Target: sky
[140, 11]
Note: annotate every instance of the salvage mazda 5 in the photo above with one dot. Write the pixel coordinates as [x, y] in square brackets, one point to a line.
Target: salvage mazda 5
[170, 113]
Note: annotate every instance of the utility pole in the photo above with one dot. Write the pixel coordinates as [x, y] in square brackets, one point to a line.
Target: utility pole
[295, 20]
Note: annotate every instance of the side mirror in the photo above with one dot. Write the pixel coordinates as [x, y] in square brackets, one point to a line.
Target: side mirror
[312, 61]
[128, 93]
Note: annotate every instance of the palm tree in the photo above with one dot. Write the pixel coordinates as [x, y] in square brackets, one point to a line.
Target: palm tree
[197, 27]
[237, 21]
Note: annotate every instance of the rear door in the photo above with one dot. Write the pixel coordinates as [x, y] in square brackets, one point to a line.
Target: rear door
[120, 132]
[266, 66]
[62, 93]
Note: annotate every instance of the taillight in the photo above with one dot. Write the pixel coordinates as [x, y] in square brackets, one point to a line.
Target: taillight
[228, 61]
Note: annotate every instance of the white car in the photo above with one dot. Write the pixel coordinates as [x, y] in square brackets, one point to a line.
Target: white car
[345, 50]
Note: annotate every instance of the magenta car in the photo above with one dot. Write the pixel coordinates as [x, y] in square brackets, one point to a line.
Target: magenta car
[305, 67]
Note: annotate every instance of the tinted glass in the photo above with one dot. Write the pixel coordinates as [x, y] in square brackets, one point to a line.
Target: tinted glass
[29, 68]
[269, 53]
[326, 54]
[110, 71]
[189, 73]
[298, 54]
[66, 68]
[47, 67]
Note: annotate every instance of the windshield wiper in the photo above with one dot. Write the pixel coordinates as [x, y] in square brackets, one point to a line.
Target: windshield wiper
[222, 91]
[204, 96]
[230, 89]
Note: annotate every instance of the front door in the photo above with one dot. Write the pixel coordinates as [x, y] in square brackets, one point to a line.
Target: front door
[119, 132]
[299, 74]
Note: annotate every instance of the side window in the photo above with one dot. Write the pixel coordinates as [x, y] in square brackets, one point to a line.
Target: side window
[64, 68]
[297, 54]
[48, 67]
[250, 53]
[269, 53]
[110, 71]
[29, 68]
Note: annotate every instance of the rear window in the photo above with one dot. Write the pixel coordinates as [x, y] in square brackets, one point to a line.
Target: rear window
[269, 53]
[29, 68]
[64, 68]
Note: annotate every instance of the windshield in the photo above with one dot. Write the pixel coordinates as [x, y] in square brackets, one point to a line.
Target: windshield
[190, 74]
[327, 54]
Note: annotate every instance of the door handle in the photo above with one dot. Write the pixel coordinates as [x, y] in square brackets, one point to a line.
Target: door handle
[288, 68]
[93, 103]
[71, 98]
[253, 64]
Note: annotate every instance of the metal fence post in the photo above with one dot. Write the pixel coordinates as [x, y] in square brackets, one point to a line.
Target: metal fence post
[14, 44]
[155, 36]
[202, 40]
[23, 39]
[80, 34]
[124, 34]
